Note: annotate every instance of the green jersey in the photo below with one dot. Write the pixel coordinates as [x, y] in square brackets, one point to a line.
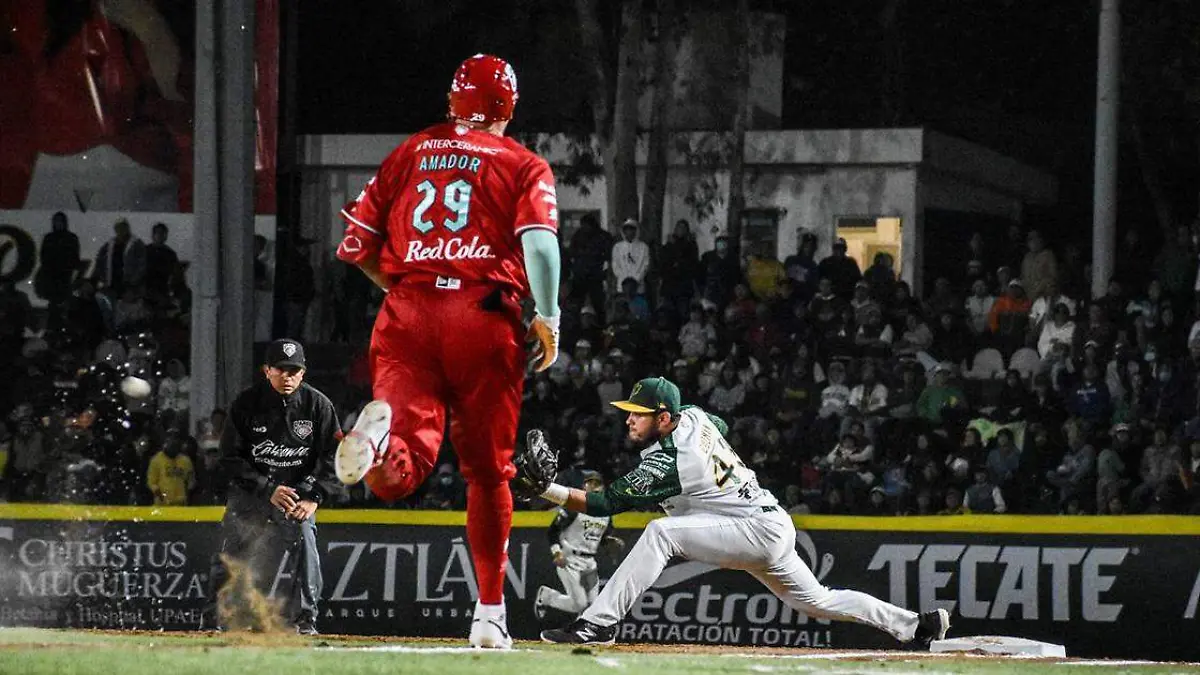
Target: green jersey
[691, 470]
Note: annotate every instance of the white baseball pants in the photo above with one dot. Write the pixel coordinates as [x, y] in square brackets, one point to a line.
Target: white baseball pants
[764, 546]
[581, 583]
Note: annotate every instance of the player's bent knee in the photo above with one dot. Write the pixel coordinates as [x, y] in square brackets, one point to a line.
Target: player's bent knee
[656, 532]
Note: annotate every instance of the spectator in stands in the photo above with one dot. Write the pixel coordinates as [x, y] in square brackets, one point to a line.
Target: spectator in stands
[679, 268]
[729, 394]
[719, 272]
[1090, 400]
[862, 302]
[835, 397]
[824, 306]
[161, 260]
[764, 272]
[301, 288]
[1057, 329]
[581, 400]
[1144, 311]
[1133, 264]
[171, 475]
[695, 335]
[984, 496]
[1039, 268]
[639, 309]
[942, 300]
[174, 391]
[589, 254]
[975, 272]
[131, 312]
[881, 277]
[874, 338]
[953, 503]
[741, 309]
[1015, 400]
[121, 261]
[841, 270]
[1164, 340]
[1014, 248]
[1043, 307]
[1110, 467]
[1161, 464]
[916, 338]
[609, 388]
[977, 252]
[1175, 264]
[952, 341]
[901, 304]
[940, 397]
[58, 263]
[1010, 317]
[630, 256]
[28, 459]
[1075, 475]
[848, 468]
[868, 402]
[801, 267]
[979, 307]
[1004, 460]
[210, 430]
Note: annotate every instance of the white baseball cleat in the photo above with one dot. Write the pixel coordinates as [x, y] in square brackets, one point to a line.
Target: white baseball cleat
[357, 452]
[489, 628]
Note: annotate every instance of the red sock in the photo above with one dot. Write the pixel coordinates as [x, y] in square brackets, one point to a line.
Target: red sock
[489, 519]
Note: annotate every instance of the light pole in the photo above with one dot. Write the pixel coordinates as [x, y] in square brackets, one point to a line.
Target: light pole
[1104, 189]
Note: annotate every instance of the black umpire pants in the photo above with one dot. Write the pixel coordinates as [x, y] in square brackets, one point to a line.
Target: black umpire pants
[280, 553]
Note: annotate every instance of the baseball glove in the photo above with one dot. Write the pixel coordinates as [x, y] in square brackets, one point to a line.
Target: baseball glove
[537, 466]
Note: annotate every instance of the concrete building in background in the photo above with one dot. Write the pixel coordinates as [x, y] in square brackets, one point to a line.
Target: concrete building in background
[883, 190]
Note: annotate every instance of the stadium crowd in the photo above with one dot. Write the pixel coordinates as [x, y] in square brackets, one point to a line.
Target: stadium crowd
[1005, 389]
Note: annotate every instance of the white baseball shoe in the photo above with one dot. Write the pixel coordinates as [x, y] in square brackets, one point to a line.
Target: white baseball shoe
[489, 628]
[539, 603]
[366, 442]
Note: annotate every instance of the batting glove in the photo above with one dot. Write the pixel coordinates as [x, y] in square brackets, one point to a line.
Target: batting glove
[544, 333]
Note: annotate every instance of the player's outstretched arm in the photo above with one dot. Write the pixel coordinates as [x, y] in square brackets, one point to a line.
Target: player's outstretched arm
[653, 481]
[543, 267]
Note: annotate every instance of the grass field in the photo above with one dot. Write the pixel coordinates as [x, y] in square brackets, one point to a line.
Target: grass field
[27, 651]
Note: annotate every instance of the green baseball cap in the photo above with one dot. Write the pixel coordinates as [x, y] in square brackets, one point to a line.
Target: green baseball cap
[651, 395]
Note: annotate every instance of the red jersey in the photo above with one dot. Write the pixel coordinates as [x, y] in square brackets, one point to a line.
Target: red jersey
[452, 201]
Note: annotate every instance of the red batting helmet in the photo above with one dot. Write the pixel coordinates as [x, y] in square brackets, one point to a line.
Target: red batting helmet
[484, 90]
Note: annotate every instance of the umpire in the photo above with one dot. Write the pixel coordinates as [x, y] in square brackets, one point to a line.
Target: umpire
[277, 450]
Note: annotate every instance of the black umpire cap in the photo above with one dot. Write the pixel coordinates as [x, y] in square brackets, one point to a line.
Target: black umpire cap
[285, 354]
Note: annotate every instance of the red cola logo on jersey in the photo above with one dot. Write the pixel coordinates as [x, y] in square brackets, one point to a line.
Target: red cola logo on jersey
[448, 249]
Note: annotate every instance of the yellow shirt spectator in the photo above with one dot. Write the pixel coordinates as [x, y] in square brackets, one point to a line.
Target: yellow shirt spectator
[763, 275]
[170, 477]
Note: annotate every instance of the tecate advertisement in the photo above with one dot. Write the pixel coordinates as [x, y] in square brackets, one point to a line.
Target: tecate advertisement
[1101, 595]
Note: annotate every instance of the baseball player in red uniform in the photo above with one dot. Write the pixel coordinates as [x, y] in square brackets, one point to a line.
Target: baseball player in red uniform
[459, 224]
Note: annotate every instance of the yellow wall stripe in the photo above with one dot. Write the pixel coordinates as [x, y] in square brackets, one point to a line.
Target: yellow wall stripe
[982, 524]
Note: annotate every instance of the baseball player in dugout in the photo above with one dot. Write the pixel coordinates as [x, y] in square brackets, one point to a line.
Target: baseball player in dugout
[575, 539]
[716, 514]
[278, 449]
[458, 226]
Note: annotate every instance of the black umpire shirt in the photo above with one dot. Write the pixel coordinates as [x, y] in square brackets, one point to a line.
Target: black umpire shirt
[271, 440]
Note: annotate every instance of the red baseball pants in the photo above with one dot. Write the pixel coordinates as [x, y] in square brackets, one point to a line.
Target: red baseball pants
[437, 350]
